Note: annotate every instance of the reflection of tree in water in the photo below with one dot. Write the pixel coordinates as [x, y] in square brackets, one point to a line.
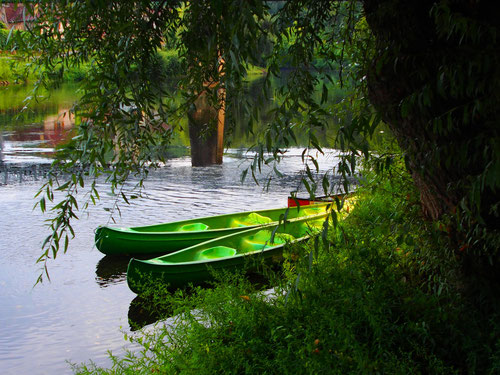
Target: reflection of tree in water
[27, 131]
[13, 112]
[238, 132]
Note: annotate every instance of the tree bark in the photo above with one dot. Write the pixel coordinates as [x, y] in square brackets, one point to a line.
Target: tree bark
[417, 62]
[203, 133]
[206, 125]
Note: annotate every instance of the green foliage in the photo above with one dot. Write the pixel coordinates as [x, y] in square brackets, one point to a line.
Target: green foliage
[4, 34]
[429, 73]
[13, 69]
[385, 295]
[6, 39]
[170, 63]
[437, 90]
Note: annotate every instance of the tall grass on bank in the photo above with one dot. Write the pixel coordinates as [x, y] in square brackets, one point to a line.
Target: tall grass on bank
[385, 295]
[15, 70]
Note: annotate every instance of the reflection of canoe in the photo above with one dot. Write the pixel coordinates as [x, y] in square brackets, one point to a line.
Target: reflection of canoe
[169, 237]
[144, 311]
[195, 264]
[111, 270]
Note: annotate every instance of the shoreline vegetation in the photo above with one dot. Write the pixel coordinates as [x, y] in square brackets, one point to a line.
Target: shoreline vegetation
[13, 69]
[382, 293]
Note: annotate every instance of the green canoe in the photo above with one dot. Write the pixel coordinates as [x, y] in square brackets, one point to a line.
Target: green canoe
[194, 264]
[170, 237]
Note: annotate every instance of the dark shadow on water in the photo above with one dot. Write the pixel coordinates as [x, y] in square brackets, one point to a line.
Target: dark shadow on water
[111, 270]
[145, 310]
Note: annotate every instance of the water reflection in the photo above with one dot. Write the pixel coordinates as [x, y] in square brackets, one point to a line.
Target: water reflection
[158, 304]
[111, 270]
[31, 134]
[144, 311]
[47, 124]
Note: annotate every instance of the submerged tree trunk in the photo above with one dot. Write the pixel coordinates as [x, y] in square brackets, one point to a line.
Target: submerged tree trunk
[206, 132]
[202, 121]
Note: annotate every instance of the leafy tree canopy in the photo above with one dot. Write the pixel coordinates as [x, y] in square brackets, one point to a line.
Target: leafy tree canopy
[428, 69]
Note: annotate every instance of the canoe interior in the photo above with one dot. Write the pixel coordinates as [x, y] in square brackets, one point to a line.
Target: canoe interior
[196, 264]
[250, 241]
[244, 219]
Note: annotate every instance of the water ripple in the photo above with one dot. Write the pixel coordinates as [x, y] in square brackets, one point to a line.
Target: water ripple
[78, 315]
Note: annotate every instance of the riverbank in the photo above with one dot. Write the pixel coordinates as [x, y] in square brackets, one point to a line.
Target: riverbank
[385, 295]
[14, 70]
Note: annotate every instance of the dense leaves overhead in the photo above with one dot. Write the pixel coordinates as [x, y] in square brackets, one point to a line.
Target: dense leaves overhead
[428, 69]
[436, 83]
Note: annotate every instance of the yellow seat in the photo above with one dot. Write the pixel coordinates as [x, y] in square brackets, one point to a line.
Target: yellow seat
[250, 220]
[193, 227]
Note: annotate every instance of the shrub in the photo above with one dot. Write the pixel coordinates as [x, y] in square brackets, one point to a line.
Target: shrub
[382, 295]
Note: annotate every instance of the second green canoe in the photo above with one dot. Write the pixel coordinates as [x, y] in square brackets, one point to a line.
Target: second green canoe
[170, 237]
[196, 263]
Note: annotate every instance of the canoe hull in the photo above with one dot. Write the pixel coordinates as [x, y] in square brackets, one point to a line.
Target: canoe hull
[170, 237]
[141, 276]
[305, 201]
[111, 241]
[243, 250]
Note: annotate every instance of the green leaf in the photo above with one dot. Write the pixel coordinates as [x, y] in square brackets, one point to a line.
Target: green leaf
[244, 175]
[42, 204]
[125, 198]
[324, 94]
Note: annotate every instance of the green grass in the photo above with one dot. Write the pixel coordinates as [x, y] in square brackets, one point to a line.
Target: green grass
[15, 70]
[385, 295]
[254, 71]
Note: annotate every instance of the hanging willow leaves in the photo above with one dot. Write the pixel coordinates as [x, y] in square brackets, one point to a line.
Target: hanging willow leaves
[429, 70]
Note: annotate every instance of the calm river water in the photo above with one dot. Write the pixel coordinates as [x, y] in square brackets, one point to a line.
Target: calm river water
[84, 311]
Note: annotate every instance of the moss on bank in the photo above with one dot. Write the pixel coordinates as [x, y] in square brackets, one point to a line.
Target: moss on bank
[384, 295]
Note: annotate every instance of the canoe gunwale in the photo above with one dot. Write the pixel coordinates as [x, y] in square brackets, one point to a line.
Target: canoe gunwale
[183, 273]
[126, 241]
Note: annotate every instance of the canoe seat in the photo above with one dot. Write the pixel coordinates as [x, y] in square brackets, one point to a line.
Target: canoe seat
[260, 241]
[253, 245]
[250, 220]
[193, 227]
[312, 210]
[217, 252]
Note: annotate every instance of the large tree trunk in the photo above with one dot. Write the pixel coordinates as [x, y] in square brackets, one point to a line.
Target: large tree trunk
[422, 80]
[203, 132]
